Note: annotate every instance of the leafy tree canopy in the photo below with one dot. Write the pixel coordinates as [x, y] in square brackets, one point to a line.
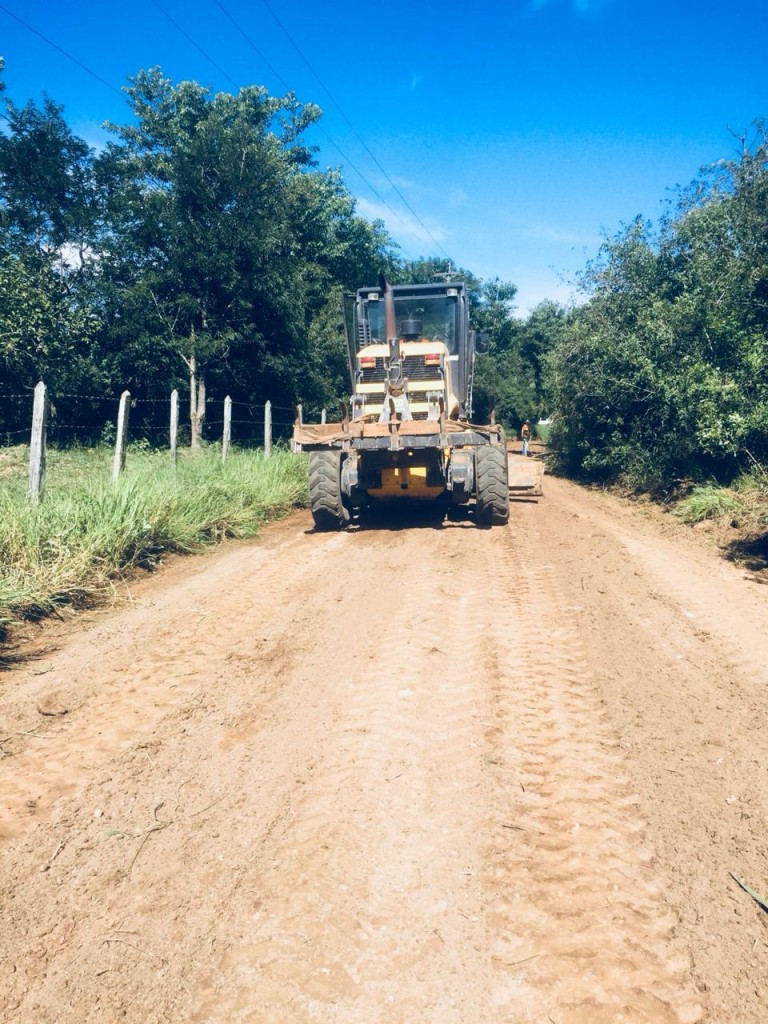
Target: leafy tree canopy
[663, 373]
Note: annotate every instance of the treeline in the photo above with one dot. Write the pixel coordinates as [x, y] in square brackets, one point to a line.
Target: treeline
[202, 246]
[200, 243]
[663, 373]
[205, 246]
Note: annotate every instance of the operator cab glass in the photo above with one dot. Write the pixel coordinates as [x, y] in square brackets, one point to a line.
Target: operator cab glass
[438, 315]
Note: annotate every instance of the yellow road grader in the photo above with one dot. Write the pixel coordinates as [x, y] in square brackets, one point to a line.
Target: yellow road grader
[407, 435]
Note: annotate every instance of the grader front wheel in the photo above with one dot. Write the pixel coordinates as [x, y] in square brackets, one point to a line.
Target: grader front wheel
[325, 497]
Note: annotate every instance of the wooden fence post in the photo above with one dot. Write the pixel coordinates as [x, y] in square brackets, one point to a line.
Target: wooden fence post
[174, 425]
[38, 442]
[118, 464]
[227, 435]
[267, 429]
[197, 411]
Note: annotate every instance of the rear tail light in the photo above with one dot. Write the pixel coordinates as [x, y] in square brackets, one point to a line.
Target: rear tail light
[367, 362]
[432, 359]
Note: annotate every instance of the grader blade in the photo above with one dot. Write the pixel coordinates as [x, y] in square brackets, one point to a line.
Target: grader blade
[525, 475]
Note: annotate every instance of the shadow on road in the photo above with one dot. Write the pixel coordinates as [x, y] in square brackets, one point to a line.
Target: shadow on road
[411, 518]
[751, 552]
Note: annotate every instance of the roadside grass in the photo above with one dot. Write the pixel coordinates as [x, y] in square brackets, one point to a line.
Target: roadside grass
[736, 516]
[708, 501]
[88, 531]
[13, 463]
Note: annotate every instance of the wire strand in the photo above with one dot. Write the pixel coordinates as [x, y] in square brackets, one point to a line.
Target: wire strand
[197, 46]
[62, 51]
[356, 133]
[320, 128]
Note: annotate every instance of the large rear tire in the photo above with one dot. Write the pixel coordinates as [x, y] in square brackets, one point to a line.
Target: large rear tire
[325, 497]
[492, 485]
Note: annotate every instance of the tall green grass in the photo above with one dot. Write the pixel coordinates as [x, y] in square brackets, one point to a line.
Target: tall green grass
[708, 501]
[88, 530]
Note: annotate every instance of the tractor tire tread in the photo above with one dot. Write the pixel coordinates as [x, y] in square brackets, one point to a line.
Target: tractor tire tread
[492, 485]
[325, 497]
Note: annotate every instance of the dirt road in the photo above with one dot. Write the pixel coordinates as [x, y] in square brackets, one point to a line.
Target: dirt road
[398, 776]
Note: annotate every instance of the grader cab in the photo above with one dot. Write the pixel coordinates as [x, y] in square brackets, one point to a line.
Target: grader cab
[407, 435]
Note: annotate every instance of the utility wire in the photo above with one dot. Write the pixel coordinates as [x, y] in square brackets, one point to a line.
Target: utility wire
[253, 45]
[197, 46]
[322, 130]
[118, 92]
[335, 145]
[357, 135]
[176, 25]
[63, 52]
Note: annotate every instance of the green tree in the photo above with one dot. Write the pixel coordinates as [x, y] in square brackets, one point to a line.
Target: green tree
[48, 219]
[498, 381]
[662, 373]
[48, 196]
[202, 239]
[226, 242]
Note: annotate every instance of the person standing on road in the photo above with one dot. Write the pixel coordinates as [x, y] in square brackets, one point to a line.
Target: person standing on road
[525, 434]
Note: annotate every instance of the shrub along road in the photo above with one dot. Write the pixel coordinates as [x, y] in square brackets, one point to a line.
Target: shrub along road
[434, 775]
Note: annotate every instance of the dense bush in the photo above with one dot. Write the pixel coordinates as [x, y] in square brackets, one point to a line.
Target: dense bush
[663, 373]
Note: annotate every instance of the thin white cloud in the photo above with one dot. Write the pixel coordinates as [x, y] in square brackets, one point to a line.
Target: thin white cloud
[552, 234]
[406, 183]
[420, 192]
[94, 135]
[533, 291]
[72, 257]
[456, 196]
[586, 8]
[403, 226]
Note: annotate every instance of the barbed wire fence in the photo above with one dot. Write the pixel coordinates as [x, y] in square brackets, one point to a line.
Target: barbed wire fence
[90, 420]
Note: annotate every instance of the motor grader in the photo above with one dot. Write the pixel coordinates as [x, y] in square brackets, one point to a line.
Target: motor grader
[407, 434]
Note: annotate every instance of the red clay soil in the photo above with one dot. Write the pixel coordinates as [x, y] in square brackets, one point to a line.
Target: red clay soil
[406, 774]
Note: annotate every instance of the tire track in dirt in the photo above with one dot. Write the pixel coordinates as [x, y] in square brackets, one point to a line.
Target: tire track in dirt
[677, 642]
[369, 910]
[115, 695]
[194, 756]
[392, 798]
[580, 924]
[574, 922]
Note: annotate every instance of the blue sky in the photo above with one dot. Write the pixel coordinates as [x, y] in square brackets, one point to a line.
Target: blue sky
[511, 137]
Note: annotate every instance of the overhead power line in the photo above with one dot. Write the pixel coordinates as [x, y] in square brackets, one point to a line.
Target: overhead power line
[197, 46]
[322, 130]
[335, 145]
[357, 135]
[62, 51]
[89, 71]
[252, 45]
[178, 27]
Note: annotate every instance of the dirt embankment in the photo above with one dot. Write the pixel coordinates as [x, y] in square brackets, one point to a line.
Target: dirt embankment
[441, 775]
